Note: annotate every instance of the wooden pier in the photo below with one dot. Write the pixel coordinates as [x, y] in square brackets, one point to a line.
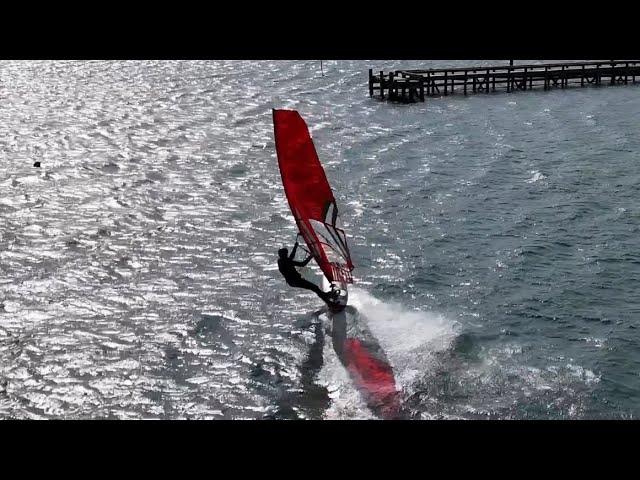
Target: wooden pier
[414, 85]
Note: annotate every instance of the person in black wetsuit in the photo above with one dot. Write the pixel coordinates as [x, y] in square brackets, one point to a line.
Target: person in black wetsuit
[287, 266]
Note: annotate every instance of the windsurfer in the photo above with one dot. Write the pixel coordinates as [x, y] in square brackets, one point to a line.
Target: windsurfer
[287, 266]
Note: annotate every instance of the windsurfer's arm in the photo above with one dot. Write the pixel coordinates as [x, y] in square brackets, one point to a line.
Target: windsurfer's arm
[304, 262]
[293, 252]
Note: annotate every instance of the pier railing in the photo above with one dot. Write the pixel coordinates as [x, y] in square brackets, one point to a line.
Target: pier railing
[414, 85]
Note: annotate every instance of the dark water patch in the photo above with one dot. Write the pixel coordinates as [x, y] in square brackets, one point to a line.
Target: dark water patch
[110, 168]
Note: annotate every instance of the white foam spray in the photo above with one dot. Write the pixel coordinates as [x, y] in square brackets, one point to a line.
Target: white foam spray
[408, 337]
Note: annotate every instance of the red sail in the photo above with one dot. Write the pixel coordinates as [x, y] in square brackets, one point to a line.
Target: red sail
[310, 196]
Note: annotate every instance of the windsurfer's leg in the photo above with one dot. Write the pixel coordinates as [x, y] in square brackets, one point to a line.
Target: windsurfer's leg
[307, 285]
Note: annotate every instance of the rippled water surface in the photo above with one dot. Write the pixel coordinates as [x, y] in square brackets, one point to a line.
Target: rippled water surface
[495, 239]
